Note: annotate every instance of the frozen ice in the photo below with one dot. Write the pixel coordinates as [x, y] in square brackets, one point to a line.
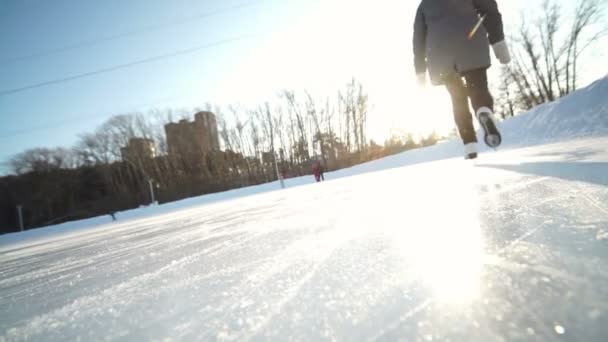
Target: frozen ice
[419, 246]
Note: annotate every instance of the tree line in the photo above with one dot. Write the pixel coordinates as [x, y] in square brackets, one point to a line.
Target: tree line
[92, 178]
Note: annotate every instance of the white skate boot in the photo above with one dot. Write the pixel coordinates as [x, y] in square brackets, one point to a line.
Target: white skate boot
[470, 151]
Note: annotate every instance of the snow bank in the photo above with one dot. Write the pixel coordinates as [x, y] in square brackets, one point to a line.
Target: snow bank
[583, 113]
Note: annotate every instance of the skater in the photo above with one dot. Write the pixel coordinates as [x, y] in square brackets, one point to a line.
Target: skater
[452, 40]
[317, 170]
[321, 171]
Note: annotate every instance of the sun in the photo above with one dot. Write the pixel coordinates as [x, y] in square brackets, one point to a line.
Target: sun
[337, 40]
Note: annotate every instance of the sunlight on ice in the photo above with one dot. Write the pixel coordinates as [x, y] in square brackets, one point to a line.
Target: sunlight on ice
[444, 245]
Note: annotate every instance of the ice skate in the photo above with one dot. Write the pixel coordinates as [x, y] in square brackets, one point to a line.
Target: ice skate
[492, 136]
[470, 151]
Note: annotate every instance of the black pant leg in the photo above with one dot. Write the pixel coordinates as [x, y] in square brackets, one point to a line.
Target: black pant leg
[477, 89]
[460, 106]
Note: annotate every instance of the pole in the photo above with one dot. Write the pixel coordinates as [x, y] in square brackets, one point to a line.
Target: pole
[20, 213]
[274, 157]
[151, 184]
[276, 166]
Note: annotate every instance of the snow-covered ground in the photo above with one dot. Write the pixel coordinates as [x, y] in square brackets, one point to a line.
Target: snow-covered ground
[427, 247]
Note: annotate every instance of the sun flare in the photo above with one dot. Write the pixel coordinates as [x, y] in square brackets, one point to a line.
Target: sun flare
[448, 259]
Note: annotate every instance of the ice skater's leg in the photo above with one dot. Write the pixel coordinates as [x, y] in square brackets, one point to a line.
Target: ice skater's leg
[460, 106]
[483, 104]
[477, 89]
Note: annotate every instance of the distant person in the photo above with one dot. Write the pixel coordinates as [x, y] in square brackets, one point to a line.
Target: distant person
[321, 171]
[113, 215]
[452, 41]
[317, 170]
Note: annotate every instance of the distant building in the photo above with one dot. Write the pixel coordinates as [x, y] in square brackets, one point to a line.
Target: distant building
[138, 148]
[193, 138]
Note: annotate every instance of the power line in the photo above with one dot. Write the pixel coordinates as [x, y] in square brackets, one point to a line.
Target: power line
[46, 126]
[142, 30]
[126, 65]
[80, 119]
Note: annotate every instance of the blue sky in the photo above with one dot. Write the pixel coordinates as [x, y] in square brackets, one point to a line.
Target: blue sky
[32, 26]
[299, 44]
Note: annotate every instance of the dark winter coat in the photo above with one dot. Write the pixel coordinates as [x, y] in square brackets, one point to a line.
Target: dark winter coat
[441, 36]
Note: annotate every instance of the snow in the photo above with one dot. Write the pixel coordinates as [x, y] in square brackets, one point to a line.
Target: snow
[419, 246]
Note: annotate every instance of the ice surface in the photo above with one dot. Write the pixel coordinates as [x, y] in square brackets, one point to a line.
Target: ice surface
[512, 247]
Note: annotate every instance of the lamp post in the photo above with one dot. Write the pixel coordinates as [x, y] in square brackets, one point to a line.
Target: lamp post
[145, 174]
[20, 214]
[151, 184]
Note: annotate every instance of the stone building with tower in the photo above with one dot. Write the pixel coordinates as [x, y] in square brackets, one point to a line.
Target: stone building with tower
[138, 148]
[199, 137]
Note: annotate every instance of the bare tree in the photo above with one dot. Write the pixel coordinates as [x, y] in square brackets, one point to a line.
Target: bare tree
[224, 132]
[301, 142]
[505, 103]
[587, 13]
[547, 52]
[43, 160]
[95, 148]
[314, 116]
[279, 132]
[362, 103]
[355, 101]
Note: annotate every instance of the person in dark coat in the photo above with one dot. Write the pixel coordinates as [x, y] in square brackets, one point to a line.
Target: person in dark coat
[321, 171]
[316, 170]
[452, 40]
